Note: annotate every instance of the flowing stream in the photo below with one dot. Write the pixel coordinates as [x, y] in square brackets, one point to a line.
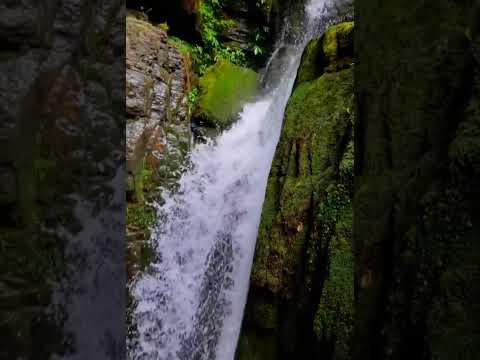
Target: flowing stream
[190, 303]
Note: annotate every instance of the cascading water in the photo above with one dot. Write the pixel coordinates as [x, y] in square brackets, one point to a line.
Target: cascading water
[190, 303]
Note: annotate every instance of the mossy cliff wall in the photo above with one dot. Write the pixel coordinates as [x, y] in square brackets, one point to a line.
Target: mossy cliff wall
[417, 167]
[301, 297]
[61, 144]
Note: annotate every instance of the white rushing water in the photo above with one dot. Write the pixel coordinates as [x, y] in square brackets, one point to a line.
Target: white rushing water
[190, 303]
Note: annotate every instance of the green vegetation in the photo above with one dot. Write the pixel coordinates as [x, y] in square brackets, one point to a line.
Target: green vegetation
[140, 216]
[306, 164]
[304, 258]
[164, 26]
[334, 318]
[193, 97]
[213, 23]
[183, 46]
[225, 87]
[333, 51]
[212, 50]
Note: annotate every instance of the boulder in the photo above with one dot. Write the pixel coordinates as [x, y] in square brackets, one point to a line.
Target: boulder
[332, 52]
[225, 88]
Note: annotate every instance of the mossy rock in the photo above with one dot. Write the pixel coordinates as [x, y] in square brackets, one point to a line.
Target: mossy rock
[225, 88]
[312, 149]
[335, 315]
[332, 52]
[303, 245]
[257, 346]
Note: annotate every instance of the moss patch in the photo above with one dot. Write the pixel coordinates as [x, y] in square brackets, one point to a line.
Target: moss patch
[305, 231]
[332, 52]
[334, 318]
[318, 121]
[225, 88]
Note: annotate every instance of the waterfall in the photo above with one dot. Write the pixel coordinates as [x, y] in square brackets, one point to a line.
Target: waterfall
[190, 302]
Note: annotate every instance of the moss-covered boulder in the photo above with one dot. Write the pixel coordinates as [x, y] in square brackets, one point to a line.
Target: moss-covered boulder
[225, 88]
[318, 127]
[331, 52]
[301, 297]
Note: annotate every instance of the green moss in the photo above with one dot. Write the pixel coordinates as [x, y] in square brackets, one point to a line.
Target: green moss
[183, 46]
[306, 163]
[225, 88]
[164, 26]
[148, 180]
[310, 69]
[334, 36]
[334, 318]
[266, 314]
[318, 105]
[140, 217]
[331, 52]
[256, 346]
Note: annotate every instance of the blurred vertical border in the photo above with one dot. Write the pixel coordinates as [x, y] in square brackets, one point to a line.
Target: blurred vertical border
[62, 175]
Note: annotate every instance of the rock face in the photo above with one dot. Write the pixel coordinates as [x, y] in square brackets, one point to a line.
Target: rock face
[158, 125]
[185, 19]
[417, 162]
[301, 297]
[180, 15]
[158, 129]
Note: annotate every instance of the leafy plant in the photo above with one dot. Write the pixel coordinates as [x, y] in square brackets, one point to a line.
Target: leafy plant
[140, 217]
[259, 41]
[213, 24]
[193, 97]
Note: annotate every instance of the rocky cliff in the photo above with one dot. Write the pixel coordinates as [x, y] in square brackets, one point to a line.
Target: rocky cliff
[158, 80]
[300, 302]
[417, 161]
[247, 26]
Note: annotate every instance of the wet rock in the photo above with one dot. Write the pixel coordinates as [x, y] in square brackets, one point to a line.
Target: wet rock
[156, 104]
